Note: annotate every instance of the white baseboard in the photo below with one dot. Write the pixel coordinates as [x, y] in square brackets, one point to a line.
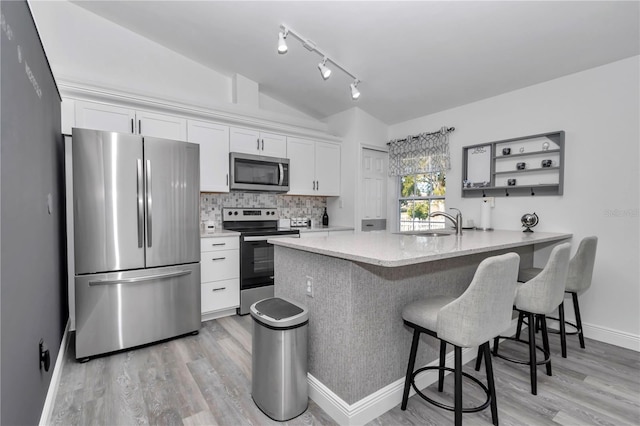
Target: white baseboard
[52, 392]
[613, 337]
[218, 314]
[377, 403]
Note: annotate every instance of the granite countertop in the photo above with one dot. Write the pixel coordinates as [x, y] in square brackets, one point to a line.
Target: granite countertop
[219, 233]
[392, 250]
[325, 228]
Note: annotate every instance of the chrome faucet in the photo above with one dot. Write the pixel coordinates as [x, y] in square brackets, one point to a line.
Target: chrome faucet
[457, 221]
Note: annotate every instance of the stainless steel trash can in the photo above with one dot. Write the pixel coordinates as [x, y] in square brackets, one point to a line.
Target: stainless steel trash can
[279, 358]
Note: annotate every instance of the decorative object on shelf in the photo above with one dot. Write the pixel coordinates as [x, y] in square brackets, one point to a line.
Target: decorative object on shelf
[325, 71]
[521, 166]
[506, 151]
[511, 182]
[480, 184]
[521, 149]
[466, 184]
[529, 221]
[546, 163]
[545, 146]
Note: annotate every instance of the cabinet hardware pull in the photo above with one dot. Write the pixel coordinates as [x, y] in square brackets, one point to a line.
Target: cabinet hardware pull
[132, 125]
[218, 244]
[140, 127]
[218, 258]
[227, 179]
[318, 185]
[314, 185]
[263, 144]
[218, 289]
[258, 140]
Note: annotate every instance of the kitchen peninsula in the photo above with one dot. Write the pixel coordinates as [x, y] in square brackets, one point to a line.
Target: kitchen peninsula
[360, 283]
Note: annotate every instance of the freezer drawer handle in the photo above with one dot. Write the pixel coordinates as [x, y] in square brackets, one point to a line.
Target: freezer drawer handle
[149, 203]
[140, 279]
[218, 289]
[218, 258]
[140, 204]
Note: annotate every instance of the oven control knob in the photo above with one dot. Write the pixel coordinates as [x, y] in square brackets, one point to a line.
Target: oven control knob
[230, 213]
[235, 213]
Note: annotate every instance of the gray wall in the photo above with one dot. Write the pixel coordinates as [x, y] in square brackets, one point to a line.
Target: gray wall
[33, 249]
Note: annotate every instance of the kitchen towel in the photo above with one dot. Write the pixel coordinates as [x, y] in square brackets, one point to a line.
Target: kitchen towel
[485, 216]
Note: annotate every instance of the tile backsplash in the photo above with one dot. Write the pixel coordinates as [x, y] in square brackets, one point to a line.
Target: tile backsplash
[288, 206]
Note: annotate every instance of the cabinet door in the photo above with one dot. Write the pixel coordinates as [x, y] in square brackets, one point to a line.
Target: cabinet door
[272, 145]
[301, 166]
[244, 140]
[327, 168]
[214, 154]
[161, 125]
[90, 115]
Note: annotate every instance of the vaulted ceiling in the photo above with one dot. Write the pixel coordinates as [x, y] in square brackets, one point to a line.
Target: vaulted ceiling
[413, 57]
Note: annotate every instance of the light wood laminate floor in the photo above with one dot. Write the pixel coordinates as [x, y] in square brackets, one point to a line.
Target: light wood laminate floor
[206, 380]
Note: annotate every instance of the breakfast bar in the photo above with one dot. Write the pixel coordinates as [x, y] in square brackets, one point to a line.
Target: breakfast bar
[355, 287]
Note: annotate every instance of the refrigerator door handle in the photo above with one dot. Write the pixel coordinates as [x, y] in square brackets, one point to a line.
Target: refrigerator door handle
[140, 190]
[149, 203]
[281, 174]
[140, 279]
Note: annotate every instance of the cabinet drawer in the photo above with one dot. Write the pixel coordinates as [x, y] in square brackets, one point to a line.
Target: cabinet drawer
[219, 295]
[215, 244]
[219, 265]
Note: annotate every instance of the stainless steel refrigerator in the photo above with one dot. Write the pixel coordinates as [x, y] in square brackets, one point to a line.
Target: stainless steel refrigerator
[136, 240]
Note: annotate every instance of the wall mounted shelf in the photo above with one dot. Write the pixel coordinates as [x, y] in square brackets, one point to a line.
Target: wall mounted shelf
[491, 169]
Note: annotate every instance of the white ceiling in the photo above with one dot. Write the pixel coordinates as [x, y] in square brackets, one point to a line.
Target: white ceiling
[414, 57]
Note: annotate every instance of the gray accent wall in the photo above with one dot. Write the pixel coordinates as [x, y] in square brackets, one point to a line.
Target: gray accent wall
[32, 278]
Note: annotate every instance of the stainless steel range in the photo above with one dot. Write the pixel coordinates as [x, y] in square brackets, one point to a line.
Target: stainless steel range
[256, 226]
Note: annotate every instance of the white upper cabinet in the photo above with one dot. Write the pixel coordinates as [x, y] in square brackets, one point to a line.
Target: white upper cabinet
[314, 167]
[161, 125]
[258, 143]
[214, 154]
[91, 115]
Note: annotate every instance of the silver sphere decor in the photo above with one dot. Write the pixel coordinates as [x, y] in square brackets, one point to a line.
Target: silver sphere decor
[529, 221]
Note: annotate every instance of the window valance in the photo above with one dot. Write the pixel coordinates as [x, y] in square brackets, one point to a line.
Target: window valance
[423, 153]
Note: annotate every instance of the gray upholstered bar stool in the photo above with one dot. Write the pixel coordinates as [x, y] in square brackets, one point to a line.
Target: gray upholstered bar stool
[536, 298]
[473, 319]
[578, 281]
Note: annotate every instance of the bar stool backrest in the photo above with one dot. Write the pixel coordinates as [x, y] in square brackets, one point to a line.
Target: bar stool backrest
[581, 266]
[544, 293]
[484, 309]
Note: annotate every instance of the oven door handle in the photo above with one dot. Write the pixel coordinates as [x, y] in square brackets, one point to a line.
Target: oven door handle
[270, 237]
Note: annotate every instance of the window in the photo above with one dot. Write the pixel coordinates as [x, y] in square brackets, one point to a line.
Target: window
[421, 194]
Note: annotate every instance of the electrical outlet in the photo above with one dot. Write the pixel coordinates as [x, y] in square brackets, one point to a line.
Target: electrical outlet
[309, 286]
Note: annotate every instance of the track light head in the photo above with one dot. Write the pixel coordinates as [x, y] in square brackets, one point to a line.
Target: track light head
[355, 93]
[282, 44]
[324, 71]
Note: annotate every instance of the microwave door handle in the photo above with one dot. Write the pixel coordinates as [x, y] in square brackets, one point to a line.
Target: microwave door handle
[281, 174]
[140, 195]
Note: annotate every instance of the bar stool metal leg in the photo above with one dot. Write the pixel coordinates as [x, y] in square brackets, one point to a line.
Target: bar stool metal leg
[519, 328]
[458, 385]
[563, 330]
[412, 361]
[532, 353]
[545, 341]
[488, 364]
[443, 354]
[576, 308]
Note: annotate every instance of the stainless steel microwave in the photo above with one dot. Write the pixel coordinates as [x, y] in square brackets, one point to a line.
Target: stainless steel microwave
[258, 173]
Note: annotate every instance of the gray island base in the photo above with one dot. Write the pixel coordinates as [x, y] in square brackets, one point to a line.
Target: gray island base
[358, 343]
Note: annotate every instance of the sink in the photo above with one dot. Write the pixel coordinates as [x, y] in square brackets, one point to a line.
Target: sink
[427, 233]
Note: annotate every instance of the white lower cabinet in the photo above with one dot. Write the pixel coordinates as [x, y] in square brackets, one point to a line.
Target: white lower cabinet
[219, 274]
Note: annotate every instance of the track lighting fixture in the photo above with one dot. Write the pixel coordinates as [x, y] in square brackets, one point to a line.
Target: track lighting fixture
[324, 71]
[355, 93]
[282, 44]
[322, 66]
